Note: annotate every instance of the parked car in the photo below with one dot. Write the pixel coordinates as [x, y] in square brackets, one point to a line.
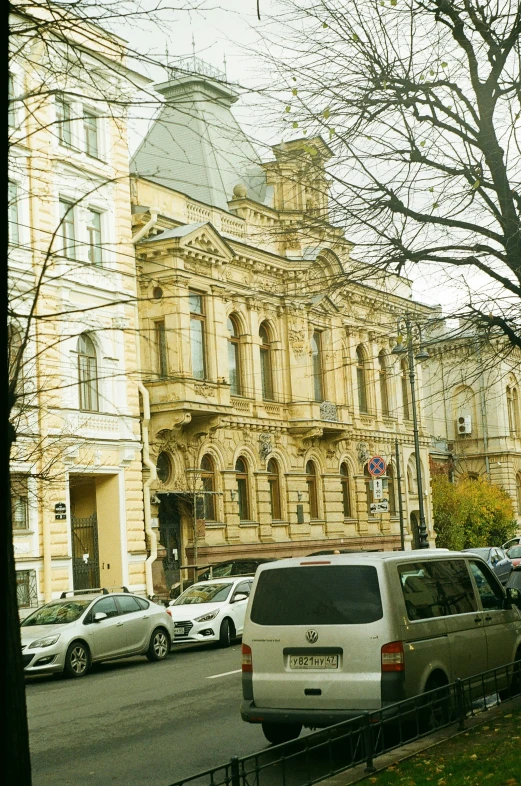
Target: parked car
[497, 559]
[325, 641]
[233, 567]
[514, 555]
[81, 628]
[211, 610]
[512, 542]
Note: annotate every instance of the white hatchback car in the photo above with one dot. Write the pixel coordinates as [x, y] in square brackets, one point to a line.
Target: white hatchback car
[211, 610]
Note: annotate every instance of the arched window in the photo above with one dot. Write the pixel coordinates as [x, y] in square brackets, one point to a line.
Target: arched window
[361, 380]
[368, 493]
[383, 380]
[311, 480]
[87, 374]
[391, 489]
[412, 477]
[243, 491]
[346, 492]
[515, 412]
[518, 492]
[234, 356]
[404, 378]
[316, 355]
[266, 364]
[208, 483]
[274, 483]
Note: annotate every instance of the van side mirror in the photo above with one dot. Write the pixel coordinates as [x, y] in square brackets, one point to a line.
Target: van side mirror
[514, 597]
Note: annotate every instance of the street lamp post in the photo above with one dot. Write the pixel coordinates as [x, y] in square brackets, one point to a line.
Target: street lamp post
[421, 355]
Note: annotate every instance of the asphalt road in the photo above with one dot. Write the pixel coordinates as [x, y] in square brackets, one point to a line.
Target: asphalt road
[137, 723]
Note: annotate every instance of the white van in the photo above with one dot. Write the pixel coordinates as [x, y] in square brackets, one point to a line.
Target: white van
[328, 638]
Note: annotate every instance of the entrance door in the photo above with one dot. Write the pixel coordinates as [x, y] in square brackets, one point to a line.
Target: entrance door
[85, 555]
[170, 537]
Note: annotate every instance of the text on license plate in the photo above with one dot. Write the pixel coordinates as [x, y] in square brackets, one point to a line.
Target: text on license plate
[179, 631]
[313, 661]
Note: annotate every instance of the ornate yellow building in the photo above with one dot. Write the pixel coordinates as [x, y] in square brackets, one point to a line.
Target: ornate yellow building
[269, 371]
[76, 465]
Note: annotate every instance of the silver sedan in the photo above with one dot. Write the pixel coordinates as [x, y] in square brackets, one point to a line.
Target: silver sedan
[72, 633]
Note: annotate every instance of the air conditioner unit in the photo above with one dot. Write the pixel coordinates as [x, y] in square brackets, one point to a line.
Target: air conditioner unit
[464, 424]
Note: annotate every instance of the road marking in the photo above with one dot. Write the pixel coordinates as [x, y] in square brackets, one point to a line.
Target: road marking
[224, 674]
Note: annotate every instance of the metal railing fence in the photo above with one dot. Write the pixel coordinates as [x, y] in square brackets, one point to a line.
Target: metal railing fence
[329, 751]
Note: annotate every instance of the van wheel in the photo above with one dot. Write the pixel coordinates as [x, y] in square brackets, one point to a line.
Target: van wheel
[277, 733]
[514, 686]
[435, 710]
[225, 634]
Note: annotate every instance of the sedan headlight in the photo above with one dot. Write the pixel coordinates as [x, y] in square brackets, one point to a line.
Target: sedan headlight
[47, 641]
[207, 617]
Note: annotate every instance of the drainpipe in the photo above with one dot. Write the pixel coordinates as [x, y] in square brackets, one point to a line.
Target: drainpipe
[149, 532]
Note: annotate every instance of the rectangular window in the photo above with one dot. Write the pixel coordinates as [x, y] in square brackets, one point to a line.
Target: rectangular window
[94, 237]
[329, 595]
[161, 349]
[90, 129]
[197, 335]
[26, 589]
[14, 233]
[63, 119]
[19, 502]
[11, 111]
[437, 589]
[68, 234]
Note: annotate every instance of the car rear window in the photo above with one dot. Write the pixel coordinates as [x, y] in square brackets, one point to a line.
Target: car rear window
[325, 595]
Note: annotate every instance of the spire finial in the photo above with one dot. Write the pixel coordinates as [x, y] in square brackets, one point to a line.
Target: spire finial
[193, 48]
[224, 64]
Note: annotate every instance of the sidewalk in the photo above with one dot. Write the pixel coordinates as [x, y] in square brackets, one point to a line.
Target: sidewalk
[486, 753]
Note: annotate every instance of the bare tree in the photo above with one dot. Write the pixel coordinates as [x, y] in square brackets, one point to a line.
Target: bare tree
[420, 102]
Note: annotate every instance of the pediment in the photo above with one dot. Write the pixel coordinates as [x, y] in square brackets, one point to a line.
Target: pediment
[199, 238]
[324, 304]
[207, 240]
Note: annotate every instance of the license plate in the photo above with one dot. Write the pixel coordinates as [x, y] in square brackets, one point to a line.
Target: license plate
[313, 661]
[179, 631]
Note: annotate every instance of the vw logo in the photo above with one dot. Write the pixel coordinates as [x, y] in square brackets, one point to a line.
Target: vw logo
[312, 636]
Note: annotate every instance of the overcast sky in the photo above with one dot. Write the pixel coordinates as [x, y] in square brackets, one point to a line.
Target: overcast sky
[229, 31]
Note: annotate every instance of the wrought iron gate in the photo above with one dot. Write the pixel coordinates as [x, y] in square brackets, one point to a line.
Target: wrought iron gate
[85, 556]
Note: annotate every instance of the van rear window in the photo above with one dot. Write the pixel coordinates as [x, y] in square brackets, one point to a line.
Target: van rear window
[325, 595]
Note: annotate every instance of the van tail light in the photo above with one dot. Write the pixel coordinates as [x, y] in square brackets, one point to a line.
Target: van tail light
[247, 665]
[392, 656]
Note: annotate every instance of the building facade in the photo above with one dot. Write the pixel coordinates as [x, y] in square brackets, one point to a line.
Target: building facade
[472, 406]
[76, 464]
[270, 374]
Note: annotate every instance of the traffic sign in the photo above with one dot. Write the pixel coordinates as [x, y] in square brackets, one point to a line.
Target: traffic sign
[378, 488]
[379, 507]
[377, 466]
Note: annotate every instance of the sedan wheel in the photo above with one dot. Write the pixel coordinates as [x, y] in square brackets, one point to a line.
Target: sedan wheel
[225, 635]
[159, 646]
[76, 660]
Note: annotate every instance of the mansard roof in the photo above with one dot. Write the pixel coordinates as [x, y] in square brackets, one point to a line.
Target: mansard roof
[196, 146]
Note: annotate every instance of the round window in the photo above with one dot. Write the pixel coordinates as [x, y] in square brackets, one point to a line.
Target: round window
[157, 293]
[163, 467]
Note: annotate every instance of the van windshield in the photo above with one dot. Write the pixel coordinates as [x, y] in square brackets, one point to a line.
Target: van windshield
[325, 595]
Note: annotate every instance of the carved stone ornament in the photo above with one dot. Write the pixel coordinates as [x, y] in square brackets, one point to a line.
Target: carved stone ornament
[328, 411]
[363, 452]
[204, 390]
[265, 446]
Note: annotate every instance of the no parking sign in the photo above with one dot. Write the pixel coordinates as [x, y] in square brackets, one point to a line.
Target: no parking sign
[377, 466]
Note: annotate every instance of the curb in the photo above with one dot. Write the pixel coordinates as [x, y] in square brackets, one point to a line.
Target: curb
[358, 773]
